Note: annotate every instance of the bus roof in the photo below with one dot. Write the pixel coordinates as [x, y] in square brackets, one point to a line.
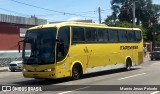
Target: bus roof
[80, 24]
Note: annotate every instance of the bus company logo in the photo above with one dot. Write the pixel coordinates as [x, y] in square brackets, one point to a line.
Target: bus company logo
[6, 88]
[128, 47]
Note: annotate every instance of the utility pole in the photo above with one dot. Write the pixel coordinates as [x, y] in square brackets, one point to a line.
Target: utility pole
[134, 17]
[154, 34]
[99, 11]
[154, 39]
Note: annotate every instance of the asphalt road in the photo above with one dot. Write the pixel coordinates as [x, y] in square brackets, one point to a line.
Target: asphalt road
[96, 83]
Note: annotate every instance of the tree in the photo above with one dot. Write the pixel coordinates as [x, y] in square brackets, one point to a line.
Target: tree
[123, 10]
[123, 24]
[147, 14]
[111, 20]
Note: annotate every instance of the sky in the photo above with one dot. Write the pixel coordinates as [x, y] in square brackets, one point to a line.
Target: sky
[59, 10]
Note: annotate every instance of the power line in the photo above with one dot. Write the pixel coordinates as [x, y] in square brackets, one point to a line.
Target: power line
[90, 12]
[41, 15]
[18, 13]
[35, 6]
[14, 12]
[64, 13]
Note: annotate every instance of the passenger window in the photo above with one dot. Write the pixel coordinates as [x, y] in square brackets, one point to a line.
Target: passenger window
[102, 35]
[138, 36]
[122, 35]
[113, 35]
[131, 36]
[78, 35]
[106, 35]
[91, 35]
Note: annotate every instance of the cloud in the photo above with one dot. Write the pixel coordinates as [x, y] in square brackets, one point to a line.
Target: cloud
[74, 18]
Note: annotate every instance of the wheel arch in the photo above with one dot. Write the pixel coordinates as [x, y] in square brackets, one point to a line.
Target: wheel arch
[77, 63]
[128, 58]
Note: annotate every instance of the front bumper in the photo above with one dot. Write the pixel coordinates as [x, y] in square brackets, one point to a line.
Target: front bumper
[155, 56]
[49, 75]
[15, 68]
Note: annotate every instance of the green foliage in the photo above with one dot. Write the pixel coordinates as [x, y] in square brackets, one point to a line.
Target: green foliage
[147, 15]
[110, 21]
[144, 32]
[124, 24]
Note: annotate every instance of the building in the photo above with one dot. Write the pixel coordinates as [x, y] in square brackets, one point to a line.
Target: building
[12, 30]
[86, 21]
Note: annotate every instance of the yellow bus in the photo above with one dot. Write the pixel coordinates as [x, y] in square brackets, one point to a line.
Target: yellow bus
[71, 49]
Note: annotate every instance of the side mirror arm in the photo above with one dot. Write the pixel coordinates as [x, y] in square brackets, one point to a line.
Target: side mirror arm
[19, 46]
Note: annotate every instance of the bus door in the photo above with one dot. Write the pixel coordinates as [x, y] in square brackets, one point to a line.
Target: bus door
[63, 44]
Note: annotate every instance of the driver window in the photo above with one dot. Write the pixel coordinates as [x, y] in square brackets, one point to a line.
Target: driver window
[63, 43]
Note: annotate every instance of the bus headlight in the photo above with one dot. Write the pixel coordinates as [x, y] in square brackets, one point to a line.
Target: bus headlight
[24, 69]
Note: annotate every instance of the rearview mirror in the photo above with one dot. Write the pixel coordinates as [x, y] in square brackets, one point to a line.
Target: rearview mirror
[19, 46]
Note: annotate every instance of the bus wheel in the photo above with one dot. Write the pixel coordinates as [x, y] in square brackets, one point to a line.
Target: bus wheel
[12, 70]
[128, 65]
[76, 71]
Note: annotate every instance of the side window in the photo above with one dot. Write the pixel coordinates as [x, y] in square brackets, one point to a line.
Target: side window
[113, 35]
[91, 35]
[63, 42]
[102, 35]
[131, 36]
[78, 35]
[106, 35]
[138, 36]
[122, 35]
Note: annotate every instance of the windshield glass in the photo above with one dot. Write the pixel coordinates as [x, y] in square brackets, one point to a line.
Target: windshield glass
[39, 46]
[156, 49]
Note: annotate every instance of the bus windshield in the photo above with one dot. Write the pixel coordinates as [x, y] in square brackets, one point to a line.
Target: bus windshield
[39, 46]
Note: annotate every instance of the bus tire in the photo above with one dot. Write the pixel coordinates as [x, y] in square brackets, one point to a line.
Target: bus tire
[128, 65]
[77, 71]
[12, 70]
